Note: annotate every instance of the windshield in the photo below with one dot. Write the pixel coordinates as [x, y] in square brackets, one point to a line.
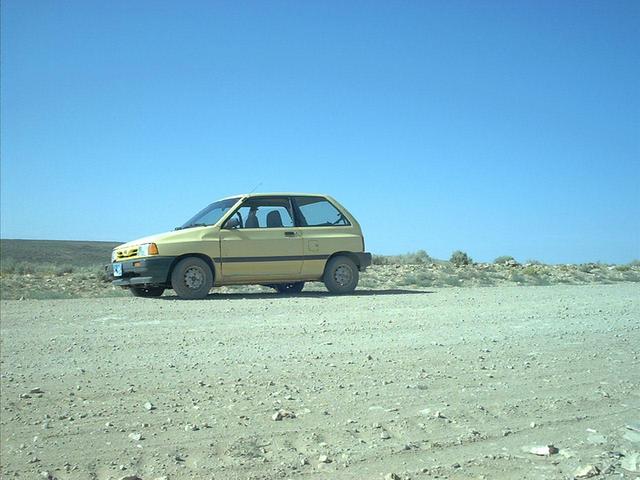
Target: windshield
[211, 214]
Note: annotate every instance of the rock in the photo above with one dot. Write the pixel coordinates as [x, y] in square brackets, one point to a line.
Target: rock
[385, 435]
[324, 459]
[635, 426]
[631, 462]
[438, 414]
[36, 390]
[587, 471]
[632, 436]
[280, 414]
[130, 477]
[190, 427]
[596, 438]
[392, 476]
[149, 406]
[546, 450]
[136, 437]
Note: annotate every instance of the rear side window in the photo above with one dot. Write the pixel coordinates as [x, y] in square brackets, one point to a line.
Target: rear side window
[318, 212]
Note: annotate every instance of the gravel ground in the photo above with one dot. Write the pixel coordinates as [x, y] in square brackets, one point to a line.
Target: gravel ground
[451, 383]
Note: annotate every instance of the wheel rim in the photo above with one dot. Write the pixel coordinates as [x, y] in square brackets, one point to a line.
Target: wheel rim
[343, 275]
[194, 277]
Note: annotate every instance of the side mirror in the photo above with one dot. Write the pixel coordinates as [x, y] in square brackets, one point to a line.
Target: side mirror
[232, 223]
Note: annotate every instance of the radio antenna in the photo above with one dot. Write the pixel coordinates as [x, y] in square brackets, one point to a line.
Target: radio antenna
[254, 188]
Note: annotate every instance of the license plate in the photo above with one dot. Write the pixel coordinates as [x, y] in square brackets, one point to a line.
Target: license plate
[117, 269]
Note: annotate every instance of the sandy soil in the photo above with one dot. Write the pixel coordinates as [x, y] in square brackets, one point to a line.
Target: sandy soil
[449, 383]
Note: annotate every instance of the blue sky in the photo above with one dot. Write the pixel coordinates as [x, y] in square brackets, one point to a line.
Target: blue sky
[495, 127]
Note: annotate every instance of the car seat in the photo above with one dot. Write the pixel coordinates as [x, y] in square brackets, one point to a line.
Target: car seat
[274, 220]
[252, 220]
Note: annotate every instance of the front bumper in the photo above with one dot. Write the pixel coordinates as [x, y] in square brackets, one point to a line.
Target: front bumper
[142, 271]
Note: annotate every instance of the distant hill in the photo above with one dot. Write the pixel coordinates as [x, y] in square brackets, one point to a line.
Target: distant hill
[57, 252]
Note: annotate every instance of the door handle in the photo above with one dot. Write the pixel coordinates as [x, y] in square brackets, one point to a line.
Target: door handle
[289, 234]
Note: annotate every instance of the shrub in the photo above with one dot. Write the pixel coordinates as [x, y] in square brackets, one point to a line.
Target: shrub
[587, 267]
[367, 282]
[101, 273]
[517, 278]
[460, 258]
[8, 265]
[62, 269]
[530, 270]
[414, 258]
[24, 268]
[452, 280]
[504, 259]
[634, 263]
[423, 279]
[419, 257]
[379, 260]
[533, 261]
[409, 279]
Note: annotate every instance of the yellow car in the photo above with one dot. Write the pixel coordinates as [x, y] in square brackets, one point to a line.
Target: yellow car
[280, 240]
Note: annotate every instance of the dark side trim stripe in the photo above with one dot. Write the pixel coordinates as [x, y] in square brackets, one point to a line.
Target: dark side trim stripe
[280, 258]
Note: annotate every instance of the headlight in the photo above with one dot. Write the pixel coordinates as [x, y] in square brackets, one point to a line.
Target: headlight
[147, 249]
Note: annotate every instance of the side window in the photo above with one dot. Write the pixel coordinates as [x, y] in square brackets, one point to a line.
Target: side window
[265, 213]
[318, 212]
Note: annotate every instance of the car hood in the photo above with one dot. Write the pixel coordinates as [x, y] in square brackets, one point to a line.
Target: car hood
[172, 236]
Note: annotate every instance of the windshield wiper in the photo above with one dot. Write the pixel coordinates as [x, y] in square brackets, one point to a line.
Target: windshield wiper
[191, 226]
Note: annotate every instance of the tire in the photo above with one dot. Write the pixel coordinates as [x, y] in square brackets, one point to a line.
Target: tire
[192, 278]
[341, 275]
[147, 291]
[295, 287]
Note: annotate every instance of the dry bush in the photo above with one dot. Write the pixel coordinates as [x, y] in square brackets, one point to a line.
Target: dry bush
[504, 259]
[419, 257]
[459, 258]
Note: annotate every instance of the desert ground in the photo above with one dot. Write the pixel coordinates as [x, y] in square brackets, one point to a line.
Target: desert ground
[453, 383]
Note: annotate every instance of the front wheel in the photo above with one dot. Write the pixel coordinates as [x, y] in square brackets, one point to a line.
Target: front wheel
[341, 275]
[295, 287]
[147, 291]
[192, 278]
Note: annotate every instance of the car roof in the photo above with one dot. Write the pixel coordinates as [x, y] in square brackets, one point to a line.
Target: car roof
[276, 194]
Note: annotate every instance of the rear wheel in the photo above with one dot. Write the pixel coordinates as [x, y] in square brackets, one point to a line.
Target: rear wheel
[192, 278]
[295, 287]
[341, 275]
[147, 291]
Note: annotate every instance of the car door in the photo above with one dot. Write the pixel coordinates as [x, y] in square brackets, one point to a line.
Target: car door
[263, 244]
[326, 230]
